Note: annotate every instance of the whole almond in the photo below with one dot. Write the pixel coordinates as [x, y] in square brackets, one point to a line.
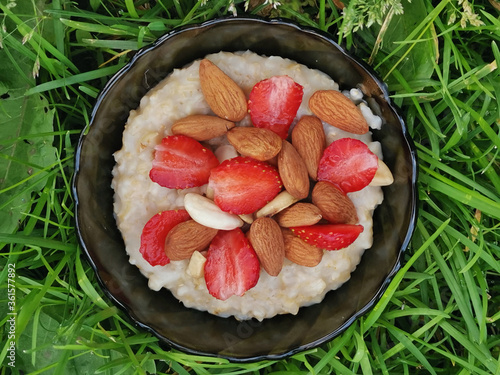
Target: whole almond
[334, 204]
[186, 238]
[299, 214]
[258, 143]
[299, 251]
[202, 127]
[267, 241]
[336, 109]
[293, 171]
[224, 97]
[308, 138]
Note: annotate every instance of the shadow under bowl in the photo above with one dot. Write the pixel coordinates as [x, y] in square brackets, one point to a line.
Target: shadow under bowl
[162, 314]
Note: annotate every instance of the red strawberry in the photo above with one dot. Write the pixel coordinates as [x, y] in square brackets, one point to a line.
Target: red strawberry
[232, 266]
[154, 233]
[273, 104]
[349, 164]
[242, 185]
[329, 236]
[181, 162]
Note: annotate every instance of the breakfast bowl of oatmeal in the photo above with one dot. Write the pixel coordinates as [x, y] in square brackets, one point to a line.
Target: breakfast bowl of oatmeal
[245, 189]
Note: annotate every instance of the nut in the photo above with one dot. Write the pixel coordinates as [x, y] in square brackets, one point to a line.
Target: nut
[196, 265]
[267, 241]
[293, 171]
[278, 203]
[336, 109]
[308, 138]
[202, 127]
[299, 214]
[299, 251]
[258, 143]
[383, 176]
[207, 213]
[224, 97]
[186, 238]
[334, 204]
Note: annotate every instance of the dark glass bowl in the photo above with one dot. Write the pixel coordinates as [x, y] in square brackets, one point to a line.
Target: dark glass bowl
[198, 332]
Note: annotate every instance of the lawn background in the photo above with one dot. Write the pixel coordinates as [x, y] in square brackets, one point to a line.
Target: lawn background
[440, 60]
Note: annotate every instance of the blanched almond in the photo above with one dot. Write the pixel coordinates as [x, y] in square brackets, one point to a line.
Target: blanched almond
[336, 109]
[224, 97]
[299, 251]
[334, 204]
[280, 202]
[207, 213]
[186, 238]
[299, 214]
[293, 171]
[383, 176]
[308, 138]
[258, 143]
[196, 264]
[266, 239]
[202, 127]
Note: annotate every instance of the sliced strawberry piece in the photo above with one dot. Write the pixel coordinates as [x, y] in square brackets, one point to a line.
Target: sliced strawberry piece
[154, 233]
[232, 266]
[329, 236]
[349, 164]
[242, 185]
[181, 162]
[273, 104]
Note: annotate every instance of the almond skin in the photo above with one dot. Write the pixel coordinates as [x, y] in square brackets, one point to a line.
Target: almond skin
[258, 143]
[186, 238]
[299, 214]
[202, 127]
[334, 204]
[299, 251]
[224, 97]
[267, 241]
[336, 109]
[293, 171]
[308, 138]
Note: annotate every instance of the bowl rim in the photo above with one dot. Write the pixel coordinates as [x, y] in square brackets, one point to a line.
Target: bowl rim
[413, 198]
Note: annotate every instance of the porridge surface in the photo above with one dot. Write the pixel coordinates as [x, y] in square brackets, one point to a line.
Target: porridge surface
[137, 198]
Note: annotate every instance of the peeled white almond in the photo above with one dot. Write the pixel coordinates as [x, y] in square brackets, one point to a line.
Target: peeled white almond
[280, 202]
[196, 264]
[383, 176]
[207, 213]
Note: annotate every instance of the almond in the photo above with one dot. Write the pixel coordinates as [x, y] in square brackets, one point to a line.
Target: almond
[224, 97]
[334, 204]
[267, 240]
[336, 109]
[383, 176]
[298, 215]
[202, 127]
[277, 204]
[258, 143]
[186, 238]
[308, 138]
[299, 251]
[293, 171]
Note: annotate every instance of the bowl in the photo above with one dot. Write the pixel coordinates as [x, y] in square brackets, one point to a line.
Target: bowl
[198, 332]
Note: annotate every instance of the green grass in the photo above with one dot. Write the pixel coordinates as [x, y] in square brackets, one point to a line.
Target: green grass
[441, 312]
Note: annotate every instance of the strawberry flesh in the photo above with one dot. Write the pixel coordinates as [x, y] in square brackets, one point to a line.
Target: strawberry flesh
[232, 266]
[349, 164]
[243, 185]
[181, 162]
[274, 102]
[155, 232]
[329, 236]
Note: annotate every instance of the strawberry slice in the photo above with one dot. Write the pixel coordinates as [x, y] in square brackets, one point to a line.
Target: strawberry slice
[155, 232]
[349, 164]
[329, 236]
[232, 266]
[242, 185]
[273, 104]
[181, 162]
